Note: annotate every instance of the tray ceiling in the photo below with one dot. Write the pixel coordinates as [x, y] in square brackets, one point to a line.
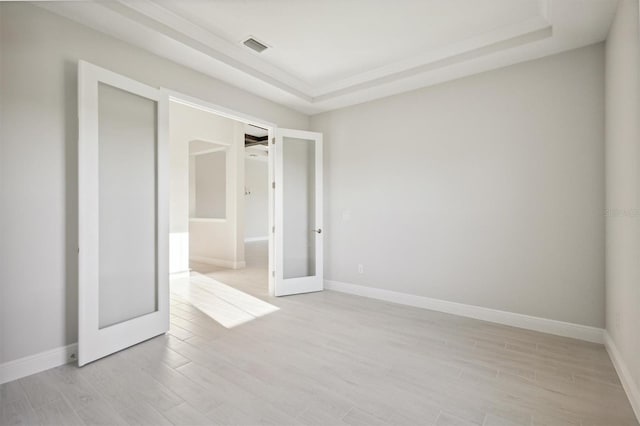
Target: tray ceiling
[329, 54]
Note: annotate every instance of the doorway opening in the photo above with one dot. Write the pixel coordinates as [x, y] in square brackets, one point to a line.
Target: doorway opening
[221, 210]
[256, 205]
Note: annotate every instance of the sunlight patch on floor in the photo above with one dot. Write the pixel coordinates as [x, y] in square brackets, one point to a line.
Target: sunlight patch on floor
[226, 305]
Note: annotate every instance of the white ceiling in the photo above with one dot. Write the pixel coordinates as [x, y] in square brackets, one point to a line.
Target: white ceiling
[323, 42]
[332, 53]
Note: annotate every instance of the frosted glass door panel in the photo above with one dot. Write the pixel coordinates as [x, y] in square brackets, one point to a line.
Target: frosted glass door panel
[127, 149]
[299, 196]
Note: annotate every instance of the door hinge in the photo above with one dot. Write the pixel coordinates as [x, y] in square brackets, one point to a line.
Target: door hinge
[273, 274]
[273, 185]
[273, 141]
[273, 229]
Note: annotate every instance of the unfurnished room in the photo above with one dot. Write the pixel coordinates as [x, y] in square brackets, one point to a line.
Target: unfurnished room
[320, 212]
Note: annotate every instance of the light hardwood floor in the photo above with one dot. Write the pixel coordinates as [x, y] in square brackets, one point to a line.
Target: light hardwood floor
[329, 359]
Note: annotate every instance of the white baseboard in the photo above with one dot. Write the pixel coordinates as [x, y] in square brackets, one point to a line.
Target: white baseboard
[253, 239]
[33, 364]
[544, 325]
[629, 385]
[231, 264]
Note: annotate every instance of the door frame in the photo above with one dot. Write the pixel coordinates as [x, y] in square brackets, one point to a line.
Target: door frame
[193, 102]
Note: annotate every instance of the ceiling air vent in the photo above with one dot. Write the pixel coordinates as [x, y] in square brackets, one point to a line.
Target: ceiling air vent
[254, 44]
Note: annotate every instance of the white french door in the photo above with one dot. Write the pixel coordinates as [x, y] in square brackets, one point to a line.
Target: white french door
[123, 212]
[298, 212]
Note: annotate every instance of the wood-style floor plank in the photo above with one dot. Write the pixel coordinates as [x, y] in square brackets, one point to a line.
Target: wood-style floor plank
[324, 359]
[58, 413]
[18, 412]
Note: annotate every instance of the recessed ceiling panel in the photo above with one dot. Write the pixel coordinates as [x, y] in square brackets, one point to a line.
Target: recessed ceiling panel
[320, 42]
[327, 54]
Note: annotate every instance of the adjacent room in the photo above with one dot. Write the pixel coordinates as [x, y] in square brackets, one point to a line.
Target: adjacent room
[219, 211]
[340, 212]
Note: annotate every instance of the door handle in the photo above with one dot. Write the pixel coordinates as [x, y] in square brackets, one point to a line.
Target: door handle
[319, 231]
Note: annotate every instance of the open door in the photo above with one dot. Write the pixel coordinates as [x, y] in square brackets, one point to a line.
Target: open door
[123, 212]
[298, 212]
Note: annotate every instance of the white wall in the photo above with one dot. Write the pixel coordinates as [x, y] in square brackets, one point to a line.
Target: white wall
[256, 204]
[623, 188]
[3, 202]
[488, 190]
[38, 142]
